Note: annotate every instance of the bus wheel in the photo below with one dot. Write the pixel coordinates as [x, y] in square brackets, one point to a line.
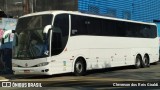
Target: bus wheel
[80, 67]
[138, 62]
[146, 62]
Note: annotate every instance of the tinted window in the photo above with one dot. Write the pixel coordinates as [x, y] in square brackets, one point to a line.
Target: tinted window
[141, 30]
[121, 28]
[79, 25]
[83, 25]
[33, 22]
[62, 22]
[60, 33]
[94, 26]
[108, 28]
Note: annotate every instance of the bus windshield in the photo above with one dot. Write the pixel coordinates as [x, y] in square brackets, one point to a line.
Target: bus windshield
[30, 41]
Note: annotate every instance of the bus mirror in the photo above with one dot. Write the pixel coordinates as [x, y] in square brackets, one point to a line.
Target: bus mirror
[46, 29]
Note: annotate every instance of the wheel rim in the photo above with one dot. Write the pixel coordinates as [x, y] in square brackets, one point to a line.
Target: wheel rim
[138, 63]
[145, 61]
[79, 67]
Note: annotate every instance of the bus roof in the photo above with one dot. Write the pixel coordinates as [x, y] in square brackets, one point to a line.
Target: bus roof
[54, 12]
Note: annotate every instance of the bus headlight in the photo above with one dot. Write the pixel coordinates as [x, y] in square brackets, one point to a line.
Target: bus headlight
[42, 64]
[14, 65]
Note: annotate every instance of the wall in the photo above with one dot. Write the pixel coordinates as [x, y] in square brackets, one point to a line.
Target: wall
[113, 8]
[139, 10]
[146, 10]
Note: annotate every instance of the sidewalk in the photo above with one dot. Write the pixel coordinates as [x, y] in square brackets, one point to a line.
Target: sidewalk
[5, 77]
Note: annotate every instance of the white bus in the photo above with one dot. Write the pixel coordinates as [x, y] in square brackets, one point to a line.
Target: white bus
[54, 42]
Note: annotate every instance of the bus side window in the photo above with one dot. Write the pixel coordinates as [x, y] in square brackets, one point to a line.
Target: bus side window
[94, 26]
[79, 25]
[60, 33]
[56, 43]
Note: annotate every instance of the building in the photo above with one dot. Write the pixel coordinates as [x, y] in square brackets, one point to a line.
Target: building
[146, 10]
[20, 7]
[113, 8]
[43, 5]
[139, 10]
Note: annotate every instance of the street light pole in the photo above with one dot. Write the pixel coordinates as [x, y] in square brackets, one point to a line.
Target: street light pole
[26, 6]
[33, 6]
[6, 6]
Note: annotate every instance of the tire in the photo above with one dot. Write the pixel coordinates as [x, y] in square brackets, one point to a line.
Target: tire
[79, 67]
[145, 62]
[138, 62]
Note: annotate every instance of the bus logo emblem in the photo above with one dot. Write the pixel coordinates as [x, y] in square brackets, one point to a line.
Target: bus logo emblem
[26, 65]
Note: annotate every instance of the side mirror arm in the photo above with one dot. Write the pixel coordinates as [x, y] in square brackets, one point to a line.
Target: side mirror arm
[47, 28]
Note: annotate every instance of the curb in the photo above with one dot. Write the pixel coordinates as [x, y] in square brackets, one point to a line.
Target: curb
[4, 80]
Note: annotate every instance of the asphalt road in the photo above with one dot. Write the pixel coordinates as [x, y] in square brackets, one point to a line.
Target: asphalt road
[142, 78]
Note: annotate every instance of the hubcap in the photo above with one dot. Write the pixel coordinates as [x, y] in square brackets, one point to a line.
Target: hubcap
[79, 67]
[145, 61]
[138, 62]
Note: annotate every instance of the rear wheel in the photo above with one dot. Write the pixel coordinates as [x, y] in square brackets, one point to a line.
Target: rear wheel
[138, 62]
[79, 67]
[146, 62]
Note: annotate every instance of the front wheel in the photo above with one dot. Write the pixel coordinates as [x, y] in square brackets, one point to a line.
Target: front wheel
[138, 62]
[79, 68]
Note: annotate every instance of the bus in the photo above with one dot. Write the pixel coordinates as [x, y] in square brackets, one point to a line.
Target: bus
[56, 42]
[157, 22]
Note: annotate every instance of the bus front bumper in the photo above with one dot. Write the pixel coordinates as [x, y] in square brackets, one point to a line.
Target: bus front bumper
[35, 70]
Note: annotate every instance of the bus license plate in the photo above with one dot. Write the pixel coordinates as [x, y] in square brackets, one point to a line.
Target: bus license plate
[26, 71]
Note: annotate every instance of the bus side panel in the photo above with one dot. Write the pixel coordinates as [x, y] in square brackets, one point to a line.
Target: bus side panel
[113, 51]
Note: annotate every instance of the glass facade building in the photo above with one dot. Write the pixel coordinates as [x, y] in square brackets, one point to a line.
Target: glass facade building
[146, 10]
[139, 10]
